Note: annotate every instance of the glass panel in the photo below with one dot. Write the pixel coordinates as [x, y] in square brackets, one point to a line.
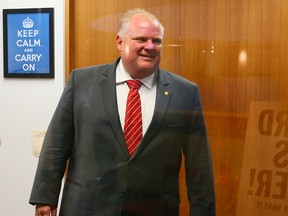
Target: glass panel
[236, 51]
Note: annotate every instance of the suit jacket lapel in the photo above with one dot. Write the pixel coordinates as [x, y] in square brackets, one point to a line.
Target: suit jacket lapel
[108, 92]
[163, 96]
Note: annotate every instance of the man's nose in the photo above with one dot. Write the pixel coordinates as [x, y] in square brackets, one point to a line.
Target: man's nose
[149, 44]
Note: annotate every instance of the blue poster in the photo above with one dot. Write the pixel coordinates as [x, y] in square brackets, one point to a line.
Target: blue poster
[28, 43]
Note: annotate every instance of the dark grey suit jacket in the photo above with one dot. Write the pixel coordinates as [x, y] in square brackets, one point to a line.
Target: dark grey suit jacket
[102, 179]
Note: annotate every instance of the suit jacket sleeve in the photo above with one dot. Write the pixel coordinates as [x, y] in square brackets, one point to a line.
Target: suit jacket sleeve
[198, 165]
[55, 151]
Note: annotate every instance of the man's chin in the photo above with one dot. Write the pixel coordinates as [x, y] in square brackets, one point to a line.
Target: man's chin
[149, 64]
[148, 68]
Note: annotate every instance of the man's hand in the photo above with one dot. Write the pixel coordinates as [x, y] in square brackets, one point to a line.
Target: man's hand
[45, 210]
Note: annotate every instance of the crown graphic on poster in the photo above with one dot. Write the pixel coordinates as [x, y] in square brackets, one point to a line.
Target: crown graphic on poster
[28, 23]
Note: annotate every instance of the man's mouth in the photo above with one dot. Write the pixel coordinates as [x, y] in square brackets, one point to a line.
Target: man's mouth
[147, 56]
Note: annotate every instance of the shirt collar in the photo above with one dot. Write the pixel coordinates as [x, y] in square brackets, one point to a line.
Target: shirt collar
[122, 75]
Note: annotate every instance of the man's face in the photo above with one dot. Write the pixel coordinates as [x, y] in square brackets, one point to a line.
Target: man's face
[140, 47]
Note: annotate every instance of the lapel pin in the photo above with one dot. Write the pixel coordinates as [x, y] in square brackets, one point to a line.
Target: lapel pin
[166, 93]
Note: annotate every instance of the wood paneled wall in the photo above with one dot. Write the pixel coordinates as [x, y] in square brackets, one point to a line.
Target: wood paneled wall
[236, 51]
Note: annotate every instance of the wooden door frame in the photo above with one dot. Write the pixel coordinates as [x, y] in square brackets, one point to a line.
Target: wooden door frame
[69, 29]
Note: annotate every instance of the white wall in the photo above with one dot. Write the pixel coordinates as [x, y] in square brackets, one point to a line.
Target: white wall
[25, 104]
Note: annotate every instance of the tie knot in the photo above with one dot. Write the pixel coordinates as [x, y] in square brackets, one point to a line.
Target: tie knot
[134, 84]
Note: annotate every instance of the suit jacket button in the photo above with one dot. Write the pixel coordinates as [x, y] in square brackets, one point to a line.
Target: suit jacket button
[123, 194]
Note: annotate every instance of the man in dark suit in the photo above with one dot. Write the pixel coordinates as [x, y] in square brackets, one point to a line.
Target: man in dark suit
[88, 129]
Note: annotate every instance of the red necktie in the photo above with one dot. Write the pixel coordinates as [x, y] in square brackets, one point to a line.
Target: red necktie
[133, 117]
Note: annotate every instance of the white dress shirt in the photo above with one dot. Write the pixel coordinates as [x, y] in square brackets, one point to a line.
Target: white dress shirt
[147, 94]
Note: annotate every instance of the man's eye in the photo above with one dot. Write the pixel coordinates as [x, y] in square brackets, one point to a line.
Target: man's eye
[157, 42]
[141, 40]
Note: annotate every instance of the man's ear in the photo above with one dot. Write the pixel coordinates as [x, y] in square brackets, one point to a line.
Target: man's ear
[119, 42]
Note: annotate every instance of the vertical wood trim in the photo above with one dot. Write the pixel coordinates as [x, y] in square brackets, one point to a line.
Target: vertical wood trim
[69, 29]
